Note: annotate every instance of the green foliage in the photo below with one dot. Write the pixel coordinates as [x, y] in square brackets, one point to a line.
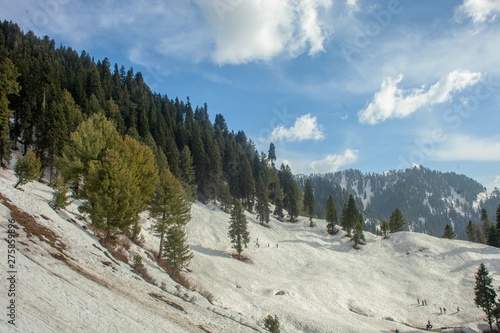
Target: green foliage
[118, 175]
[350, 215]
[187, 173]
[175, 251]
[485, 293]
[448, 232]
[169, 206]
[331, 215]
[8, 86]
[27, 168]
[238, 232]
[384, 227]
[309, 202]
[396, 221]
[136, 261]
[272, 324]
[358, 236]
[278, 202]
[262, 206]
[60, 195]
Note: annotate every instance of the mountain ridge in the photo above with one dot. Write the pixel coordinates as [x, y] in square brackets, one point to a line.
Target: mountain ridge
[429, 199]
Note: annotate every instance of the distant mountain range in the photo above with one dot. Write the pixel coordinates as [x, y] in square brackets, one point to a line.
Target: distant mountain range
[428, 199]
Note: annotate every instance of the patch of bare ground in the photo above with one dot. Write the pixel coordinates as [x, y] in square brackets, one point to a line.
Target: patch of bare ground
[32, 227]
[168, 302]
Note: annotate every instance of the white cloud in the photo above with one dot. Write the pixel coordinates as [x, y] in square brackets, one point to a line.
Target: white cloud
[255, 30]
[305, 128]
[332, 163]
[466, 148]
[479, 11]
[394, 102]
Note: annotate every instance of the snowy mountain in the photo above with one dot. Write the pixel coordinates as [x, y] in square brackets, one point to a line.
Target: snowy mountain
[428, 199]
[67, 281]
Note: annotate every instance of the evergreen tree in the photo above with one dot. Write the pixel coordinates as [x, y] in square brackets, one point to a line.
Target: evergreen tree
[175, 251]
[8, 86]
[331, 216]
[493, 239]
[262, 206]
[486, 224]
[169, 206]
[351, 216]
[484, 293]
[469, 230]
[396, 221]
[60, 195]
[187, 173]
[278, 203]
[358, 236]
[309, 202]
[238, 233]
[272, 324]
[272, 154]
[27, 168]
[448, 232]
[384, 227]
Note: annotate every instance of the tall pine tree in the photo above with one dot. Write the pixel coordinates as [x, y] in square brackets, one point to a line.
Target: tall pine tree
[484, 293]
[309, 202]
[331, 215]
[238, 232]
[8, 86]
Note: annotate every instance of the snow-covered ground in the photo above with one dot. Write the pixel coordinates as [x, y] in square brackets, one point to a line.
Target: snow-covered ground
[313, 282]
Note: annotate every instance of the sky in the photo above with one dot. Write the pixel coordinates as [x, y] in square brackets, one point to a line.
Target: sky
[369, 85]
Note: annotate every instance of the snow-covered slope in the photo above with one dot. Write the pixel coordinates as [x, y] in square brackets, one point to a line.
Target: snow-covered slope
[67, 281]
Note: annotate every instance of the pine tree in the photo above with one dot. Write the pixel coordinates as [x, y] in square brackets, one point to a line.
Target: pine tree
[8, 86]
[272, 324]
[331, 215]
[484, 293]
[27, 168]
[169, 206]
[187, 173]
[493, 239]
[175, 251]
[358, 236]
[238, 233]
[469, 230]
[309, 202]
[278, 203]
[262, 206]
[448, 232]
[486, 224]
[396, 221]
[272, 154]
[60, 195]
[384, 227]
[351, 216]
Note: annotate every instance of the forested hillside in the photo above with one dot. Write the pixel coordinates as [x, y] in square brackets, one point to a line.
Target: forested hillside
[59, 88]
[428, 199]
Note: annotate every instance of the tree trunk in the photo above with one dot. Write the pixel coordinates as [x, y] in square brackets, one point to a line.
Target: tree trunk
[162, 238]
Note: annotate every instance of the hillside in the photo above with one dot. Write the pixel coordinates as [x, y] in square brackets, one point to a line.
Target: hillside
[428, 199]
[66, 280]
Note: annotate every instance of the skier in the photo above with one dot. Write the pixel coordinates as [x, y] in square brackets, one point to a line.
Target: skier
[418, 301]
[429, 326]
[440, 310]
[444, 310]
[458, 309]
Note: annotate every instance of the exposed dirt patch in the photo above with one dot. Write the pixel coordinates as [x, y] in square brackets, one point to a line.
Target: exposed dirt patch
[166, 301]
[32, 227]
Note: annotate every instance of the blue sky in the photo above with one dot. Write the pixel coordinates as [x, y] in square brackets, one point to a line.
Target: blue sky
[371, 85]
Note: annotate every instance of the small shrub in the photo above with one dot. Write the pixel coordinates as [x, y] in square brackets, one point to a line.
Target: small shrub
[272, 324]
[136, 261]
[27, 168]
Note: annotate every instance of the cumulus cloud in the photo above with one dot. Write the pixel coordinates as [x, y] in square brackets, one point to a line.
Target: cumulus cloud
[394, 102]
[479, 11]
[306, 127]
[255, 30]
[332, 163]
[467, 148]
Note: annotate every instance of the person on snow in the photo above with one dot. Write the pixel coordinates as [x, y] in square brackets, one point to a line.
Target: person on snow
[444, 310]
[429, 326]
